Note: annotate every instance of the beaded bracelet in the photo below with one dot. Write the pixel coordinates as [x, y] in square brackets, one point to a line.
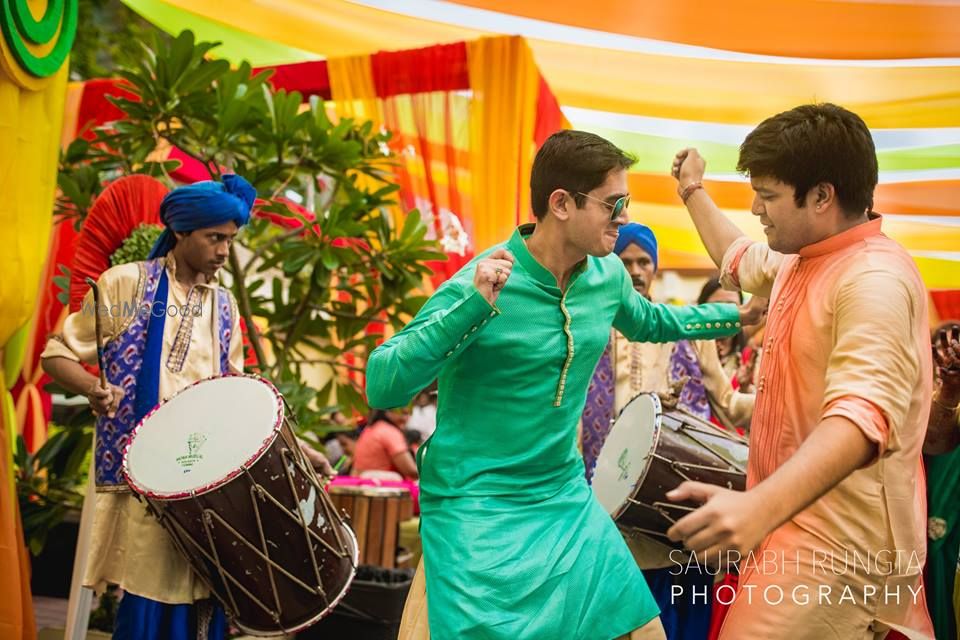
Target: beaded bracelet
[689, 189]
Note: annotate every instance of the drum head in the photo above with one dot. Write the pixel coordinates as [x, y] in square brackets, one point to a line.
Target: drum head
[623, 459]
[202, 436]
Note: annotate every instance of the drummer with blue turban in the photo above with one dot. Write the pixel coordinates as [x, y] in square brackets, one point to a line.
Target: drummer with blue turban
[166, 324]
[687, 374]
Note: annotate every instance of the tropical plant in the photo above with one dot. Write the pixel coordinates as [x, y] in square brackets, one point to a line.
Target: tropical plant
[329, 252]
[51, 481]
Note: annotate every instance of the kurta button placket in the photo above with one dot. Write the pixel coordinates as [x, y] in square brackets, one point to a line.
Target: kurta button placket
[558, 398]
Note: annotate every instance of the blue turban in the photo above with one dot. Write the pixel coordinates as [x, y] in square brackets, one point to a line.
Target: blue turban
[201, 205]
[640, 235]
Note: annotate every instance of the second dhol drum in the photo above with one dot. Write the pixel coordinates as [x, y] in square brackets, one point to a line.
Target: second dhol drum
[220, 467]
[649, 452]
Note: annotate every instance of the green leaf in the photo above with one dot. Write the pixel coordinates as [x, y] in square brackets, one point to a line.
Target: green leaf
[329, 259]
[203, 75]
[410, 224]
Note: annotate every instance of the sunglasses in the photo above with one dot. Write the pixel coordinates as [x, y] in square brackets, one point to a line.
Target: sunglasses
[618, 207]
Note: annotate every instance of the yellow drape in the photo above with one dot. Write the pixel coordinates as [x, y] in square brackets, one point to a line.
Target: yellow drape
[504, 80]
[31, 114]
[352, 88]
[620, 81]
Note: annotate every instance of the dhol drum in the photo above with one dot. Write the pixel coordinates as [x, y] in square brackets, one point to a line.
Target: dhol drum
[375, 516]
[649, 452]
[219, 466]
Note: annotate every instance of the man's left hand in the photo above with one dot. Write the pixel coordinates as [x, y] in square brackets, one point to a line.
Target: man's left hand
[317, 460]
[728, 521]
[753, 311]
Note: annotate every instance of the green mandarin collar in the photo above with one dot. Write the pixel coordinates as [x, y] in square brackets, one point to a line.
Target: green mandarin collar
[518, 247]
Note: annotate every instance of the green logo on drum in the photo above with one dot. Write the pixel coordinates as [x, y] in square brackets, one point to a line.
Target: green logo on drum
[194, 442]
[624, 463]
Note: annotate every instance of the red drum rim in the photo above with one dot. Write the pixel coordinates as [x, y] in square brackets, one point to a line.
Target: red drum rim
[216, 484]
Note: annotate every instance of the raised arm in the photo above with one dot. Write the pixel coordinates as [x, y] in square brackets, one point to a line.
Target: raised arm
[716, 231]
[446, 325]
[643, 321]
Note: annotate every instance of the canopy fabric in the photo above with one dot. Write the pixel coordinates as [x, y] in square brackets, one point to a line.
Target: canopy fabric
[657, 76]
[607, 73]
[885, 29]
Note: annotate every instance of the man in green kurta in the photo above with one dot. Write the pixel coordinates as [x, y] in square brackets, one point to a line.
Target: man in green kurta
[515, 545]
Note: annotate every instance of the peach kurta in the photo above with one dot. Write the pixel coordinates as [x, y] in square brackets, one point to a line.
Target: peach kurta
[847, 335]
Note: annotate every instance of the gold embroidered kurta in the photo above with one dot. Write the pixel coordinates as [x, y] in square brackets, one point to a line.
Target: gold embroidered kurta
[128, 547]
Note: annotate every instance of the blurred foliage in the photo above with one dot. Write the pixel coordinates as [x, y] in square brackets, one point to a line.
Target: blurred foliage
[108, 33]
[138, 244]
[52, 481]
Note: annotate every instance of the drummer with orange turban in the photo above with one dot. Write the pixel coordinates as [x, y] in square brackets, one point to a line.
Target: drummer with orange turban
[167, 323]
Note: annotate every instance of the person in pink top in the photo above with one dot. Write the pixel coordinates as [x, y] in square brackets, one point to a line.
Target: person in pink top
[830, 533]
[382, 446]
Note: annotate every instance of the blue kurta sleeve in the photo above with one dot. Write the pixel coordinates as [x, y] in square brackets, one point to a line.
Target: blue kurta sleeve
[406, 363]
[643, 321]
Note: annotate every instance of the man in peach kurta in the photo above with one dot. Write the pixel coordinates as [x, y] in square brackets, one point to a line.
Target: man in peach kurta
[831, 530]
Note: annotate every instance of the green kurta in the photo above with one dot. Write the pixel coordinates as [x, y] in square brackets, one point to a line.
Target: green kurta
[515, 545]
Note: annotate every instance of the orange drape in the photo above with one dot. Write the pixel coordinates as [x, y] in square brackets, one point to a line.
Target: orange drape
[505, 83]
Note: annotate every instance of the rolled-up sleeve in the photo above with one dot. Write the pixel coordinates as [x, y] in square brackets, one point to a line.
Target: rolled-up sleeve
[868, 417]
[750, 266]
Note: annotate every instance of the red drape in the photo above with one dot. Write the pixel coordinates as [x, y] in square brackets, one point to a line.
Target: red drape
[946, 304]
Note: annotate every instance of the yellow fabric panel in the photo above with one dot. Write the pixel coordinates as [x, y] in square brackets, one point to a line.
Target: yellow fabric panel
[620, 81]
[939, 274]
[505, 83]
[745, 93]
[14, 351]
[30, 123]
[355, 96]
[794, 27]
[71, 113]
[352, 88]
[327, 27]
